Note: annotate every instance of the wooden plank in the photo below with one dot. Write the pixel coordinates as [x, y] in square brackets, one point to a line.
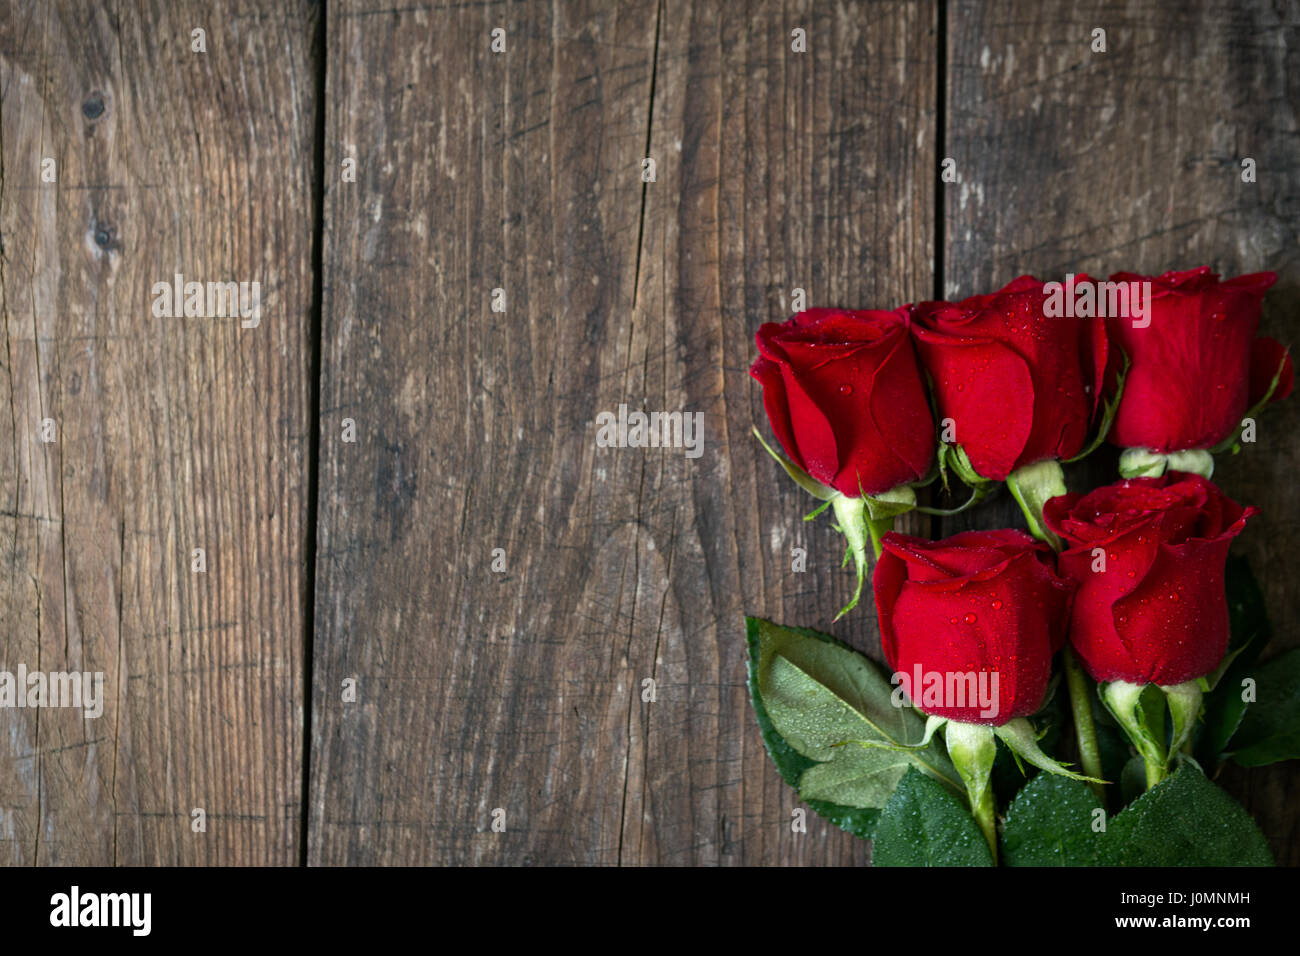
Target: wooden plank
[475, 430]
[171, 433]
[1075, 161]
[777, 170]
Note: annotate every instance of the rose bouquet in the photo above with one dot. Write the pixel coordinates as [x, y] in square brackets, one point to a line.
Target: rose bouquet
[1057, 697]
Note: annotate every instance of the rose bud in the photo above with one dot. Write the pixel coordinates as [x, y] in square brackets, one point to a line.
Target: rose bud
[980, 602]
[1019, 387]
[844, 395]
[845, 398]
[969, 626]
[1196, 367]
[1148, 555]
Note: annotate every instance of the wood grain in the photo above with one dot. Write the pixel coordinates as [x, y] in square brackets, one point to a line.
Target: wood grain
[1075, 161]
[408, 687]
[171, 434]
[522, 170]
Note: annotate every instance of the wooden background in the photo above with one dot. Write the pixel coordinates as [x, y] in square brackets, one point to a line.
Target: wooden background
[330, 560]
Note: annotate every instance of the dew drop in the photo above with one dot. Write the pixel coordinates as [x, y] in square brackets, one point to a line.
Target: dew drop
[846, 389]
[997, 605]
[970, 617]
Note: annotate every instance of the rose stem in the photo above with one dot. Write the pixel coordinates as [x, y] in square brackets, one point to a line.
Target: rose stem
[984, 816]
[1084, 729]
[1032, 487]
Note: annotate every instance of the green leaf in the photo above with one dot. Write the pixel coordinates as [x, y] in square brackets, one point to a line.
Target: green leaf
[1250, 633]
[1183, 821]
[925, 825]
[821, 695]
[1270, 728]
[855, 777]
[1050, 824]
[791, 764]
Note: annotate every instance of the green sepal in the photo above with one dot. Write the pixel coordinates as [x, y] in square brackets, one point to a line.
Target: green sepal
[955, 457]
[1018, 734]
[1210, 681]
[891, 503]
[856, 521]
[1109, 408]
[851, 518]
[1144, 463]
[805, 481]
[1033, 486]
[816, 512]
[1143, 727]
[1231, 442]
[1184, 702]
[972, 748]
[977, 494]
[1141, 463]
[1196, 461]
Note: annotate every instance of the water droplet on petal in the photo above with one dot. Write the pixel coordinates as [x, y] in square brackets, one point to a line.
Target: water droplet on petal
[846, 389]
[997, 605]
[970, 617]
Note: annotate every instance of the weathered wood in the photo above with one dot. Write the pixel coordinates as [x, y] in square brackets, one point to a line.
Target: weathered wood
[522, 170]
[1075, 161]
[476, 429]
[171, 433]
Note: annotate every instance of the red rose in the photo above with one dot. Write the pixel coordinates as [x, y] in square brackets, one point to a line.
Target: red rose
[979, 602]
[845, 398]
[1155, 612]
[1019, 386]
[1197, 366]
